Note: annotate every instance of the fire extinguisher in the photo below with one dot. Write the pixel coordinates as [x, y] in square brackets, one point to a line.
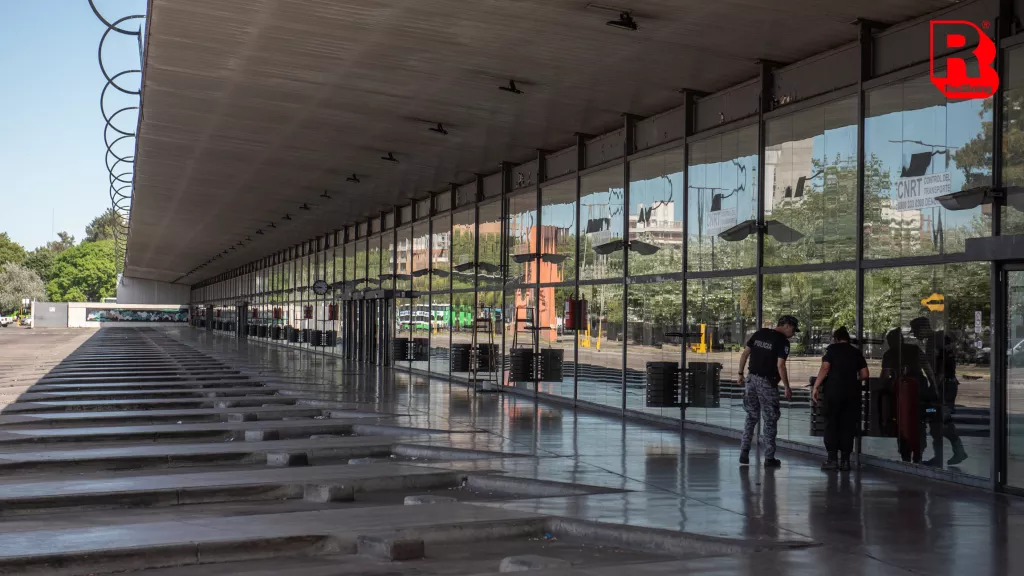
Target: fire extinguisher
[307, 312]
[332, 312]
[278, 314]
[255, 314]
[218, 313]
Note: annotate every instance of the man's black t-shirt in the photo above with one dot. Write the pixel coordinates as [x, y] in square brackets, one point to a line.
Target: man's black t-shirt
[845, 363]
[767, 345]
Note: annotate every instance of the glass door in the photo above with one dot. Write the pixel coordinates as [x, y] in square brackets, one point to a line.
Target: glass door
[1015, 376]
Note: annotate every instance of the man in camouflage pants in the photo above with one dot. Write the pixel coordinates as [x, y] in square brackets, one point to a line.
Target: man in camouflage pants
[767, 350]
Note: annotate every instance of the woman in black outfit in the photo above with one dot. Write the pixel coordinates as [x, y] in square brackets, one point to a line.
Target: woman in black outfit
[844, 367]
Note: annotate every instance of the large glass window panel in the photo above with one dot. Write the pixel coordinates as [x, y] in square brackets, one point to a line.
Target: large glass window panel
[440, 333]
[601, 221]
[521, 243]
[552, 334]
[721, 313]
[558, 236]
[403, 268]
[654, 310]
[822, 302]
[360, 262]
[420, 257]
[1015, 377]
[721, 189]
[656, 214]
[373, 263]
[1013, 142]
[920, 146]
[520, 320]
[600, 343]
[462, 325]
[489, 268]
[387, 260]
[441, 254]
[421, 327]
[350, 265]
[931, 324]
[810, 196]
[464, 250]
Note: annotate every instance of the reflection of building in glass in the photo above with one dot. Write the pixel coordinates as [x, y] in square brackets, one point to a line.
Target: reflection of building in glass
[656, 224]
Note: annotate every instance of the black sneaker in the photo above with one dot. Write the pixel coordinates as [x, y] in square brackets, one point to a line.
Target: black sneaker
[744, 457]
[829, 465]
[844, 465]
[772, 463]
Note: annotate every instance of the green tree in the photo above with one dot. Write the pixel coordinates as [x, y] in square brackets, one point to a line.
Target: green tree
[42, 258]
[18, 282]
[104, 226]
[10, 251]
[84, 273]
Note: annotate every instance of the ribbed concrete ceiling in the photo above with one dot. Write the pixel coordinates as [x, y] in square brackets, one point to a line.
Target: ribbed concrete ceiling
[254, 107]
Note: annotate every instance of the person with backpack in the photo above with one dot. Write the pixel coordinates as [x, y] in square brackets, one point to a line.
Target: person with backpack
[837, 388]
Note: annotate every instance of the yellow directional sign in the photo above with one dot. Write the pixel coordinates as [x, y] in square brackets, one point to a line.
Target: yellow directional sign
[934, 302]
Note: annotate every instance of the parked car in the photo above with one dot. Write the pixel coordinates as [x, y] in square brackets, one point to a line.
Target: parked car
[26, 321]
[6, 321]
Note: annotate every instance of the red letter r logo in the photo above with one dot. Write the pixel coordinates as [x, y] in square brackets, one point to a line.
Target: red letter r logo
[957, 84]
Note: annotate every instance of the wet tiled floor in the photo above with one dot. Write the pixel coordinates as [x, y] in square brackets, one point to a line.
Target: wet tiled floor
[869, 521]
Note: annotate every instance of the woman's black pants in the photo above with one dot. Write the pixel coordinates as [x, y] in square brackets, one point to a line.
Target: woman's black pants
[841, 424]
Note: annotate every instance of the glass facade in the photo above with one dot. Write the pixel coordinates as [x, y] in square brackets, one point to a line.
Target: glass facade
[681, 253]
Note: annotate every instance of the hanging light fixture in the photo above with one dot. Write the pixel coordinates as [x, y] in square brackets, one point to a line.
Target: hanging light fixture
[439, 129]
[390, 158]
[625, 21]
[353, 178]
[511, 88]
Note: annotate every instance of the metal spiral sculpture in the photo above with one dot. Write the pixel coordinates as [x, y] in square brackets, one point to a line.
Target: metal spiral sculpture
[121, 167]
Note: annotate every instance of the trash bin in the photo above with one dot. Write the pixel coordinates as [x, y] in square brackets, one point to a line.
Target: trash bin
[704, 384]
[551, 364]
[663, 390]
[460, 357]
[521, 365]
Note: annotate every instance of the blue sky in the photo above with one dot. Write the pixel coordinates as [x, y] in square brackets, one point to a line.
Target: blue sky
[51, 152]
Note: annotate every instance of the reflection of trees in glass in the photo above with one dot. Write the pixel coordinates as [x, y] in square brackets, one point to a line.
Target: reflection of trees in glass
[978, 152]
[893, 297]
[922, 130]
[822, 301]
[727, 305]
[825, 215]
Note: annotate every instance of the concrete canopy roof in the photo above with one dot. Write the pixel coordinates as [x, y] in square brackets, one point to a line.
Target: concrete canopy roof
[254, 107]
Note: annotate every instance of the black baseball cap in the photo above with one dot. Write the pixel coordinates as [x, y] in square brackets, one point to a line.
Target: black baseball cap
[791, 320]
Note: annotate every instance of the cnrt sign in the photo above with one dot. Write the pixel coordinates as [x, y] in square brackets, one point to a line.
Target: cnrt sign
[957, 83]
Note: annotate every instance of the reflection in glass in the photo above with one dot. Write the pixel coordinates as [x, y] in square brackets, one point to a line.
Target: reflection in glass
[1015, 377]
[822, 302]
[387, 262]
[421, 325]
[420, 257]
[721, 314]
[919, 146]
[558, 236]
[489, 261]
[601, 221]
[520, 321]
[441, 255]
[600, 344]
[440, 331]
[373, 264]
[403, 259]
[811, 185]
[654, 310]
[522, 250]
[656, 213]
[463, 250]
[721, 184]
[551, 321]
[1013, 142]
[931, 324]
